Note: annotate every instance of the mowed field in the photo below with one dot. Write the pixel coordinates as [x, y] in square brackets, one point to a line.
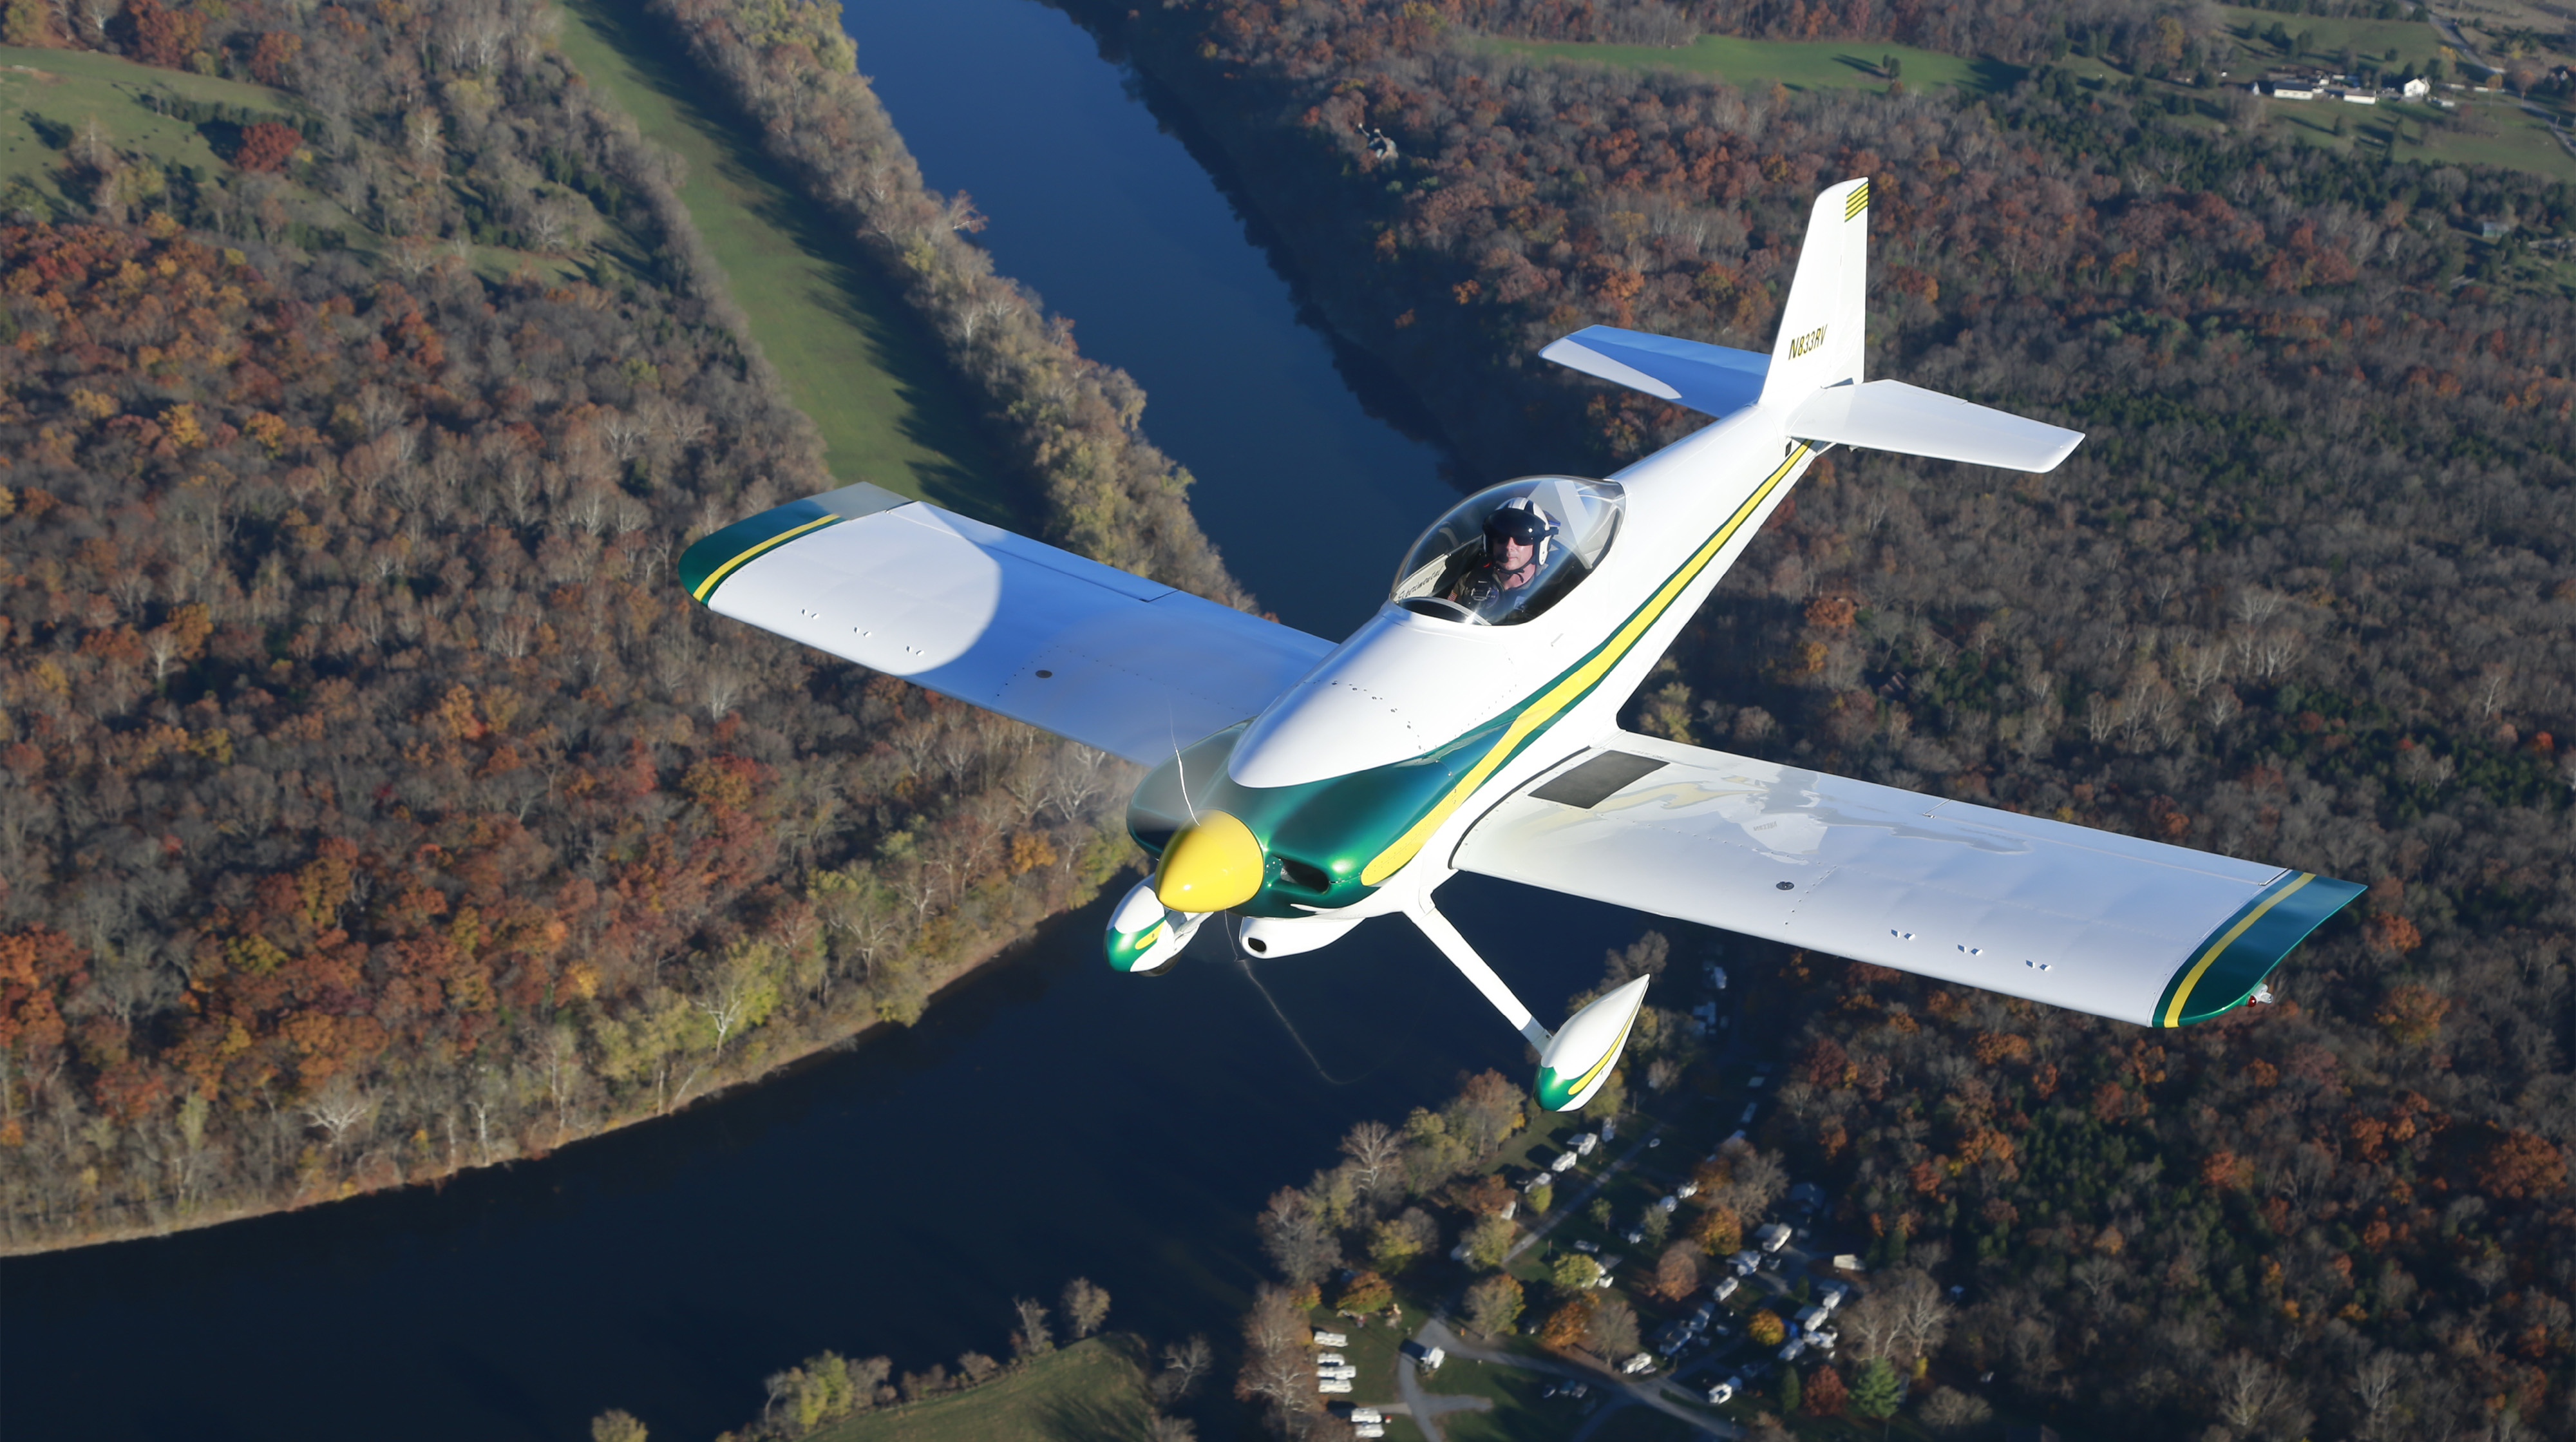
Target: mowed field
[1092, 1391]
[1796, 64]
[47, 96]
[851, 355]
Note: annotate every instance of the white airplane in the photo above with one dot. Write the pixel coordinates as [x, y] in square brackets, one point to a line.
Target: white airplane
[1472, 723]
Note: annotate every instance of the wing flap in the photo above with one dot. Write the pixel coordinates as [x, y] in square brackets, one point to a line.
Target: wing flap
[2090, 920]
[1038, 634]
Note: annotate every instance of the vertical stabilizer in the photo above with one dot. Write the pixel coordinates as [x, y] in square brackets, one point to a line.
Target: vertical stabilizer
[1821, 328]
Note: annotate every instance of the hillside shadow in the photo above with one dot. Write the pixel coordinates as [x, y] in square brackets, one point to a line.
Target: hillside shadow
[963, 472]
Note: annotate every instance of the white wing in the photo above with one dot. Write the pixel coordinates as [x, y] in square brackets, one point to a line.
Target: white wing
[1038, 634]
[2109, 924]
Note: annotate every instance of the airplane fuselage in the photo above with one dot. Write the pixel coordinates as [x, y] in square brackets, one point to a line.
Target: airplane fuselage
[1357, 781]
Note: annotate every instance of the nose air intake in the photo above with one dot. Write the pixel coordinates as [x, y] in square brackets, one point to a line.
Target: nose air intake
[1213, 864]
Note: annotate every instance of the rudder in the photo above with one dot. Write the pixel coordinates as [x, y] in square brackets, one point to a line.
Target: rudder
[1824, 325]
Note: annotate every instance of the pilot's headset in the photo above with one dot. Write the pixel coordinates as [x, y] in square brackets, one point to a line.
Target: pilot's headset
[1521, 520]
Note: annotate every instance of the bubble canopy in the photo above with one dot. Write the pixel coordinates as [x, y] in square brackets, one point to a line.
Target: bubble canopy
[1457, 573]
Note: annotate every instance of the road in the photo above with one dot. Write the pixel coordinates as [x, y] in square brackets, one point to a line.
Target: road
[1616, 1391]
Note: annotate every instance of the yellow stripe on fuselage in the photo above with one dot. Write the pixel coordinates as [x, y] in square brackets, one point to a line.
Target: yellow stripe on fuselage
[2182, 993]
[716, 576]
[1582, 679]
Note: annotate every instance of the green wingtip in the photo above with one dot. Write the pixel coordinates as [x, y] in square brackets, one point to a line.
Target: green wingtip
[711, 558]
[2231, 963]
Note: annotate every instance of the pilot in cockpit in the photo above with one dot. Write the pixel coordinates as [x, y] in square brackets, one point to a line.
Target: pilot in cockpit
[1518, 537]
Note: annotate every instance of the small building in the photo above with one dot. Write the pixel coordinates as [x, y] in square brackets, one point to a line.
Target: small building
[1641, 1363]
[1367, 1414]
[1368, 1429]
[1745, 1262]
[2417, 88]
[2359, 97]
[1812, 1318]
[1345, 1372]
[1848, 1262]
[1724, 1392]
[1793, 1349]
[1583, 1143]
[1330, 1386]
[1726, 1287]
[1772, 1237]
[1330, 1339]
[1328, 1359]
[1564, 1162]
[1667, 1203]
[1687, 1189]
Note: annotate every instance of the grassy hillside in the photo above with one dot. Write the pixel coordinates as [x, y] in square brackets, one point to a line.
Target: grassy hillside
[48, 96]
[1090, 1390]
[852, 358]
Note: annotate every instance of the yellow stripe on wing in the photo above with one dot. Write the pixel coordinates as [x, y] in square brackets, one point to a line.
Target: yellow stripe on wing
[1566, 692]
[2182, 993]
[1857, 201]
[716, 576]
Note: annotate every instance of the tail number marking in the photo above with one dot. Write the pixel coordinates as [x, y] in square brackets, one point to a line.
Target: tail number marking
[1800, 345]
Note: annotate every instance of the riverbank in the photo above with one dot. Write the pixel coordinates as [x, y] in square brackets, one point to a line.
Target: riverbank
[851, 919]
[852, 355]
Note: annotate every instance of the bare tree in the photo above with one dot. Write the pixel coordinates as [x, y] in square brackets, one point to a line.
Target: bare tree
[1085, 1307]
[1374, 1148]
[2374, 1387]
[1032, 1339]
[2253, 1397]
[1185, 1364]
[339, 1108]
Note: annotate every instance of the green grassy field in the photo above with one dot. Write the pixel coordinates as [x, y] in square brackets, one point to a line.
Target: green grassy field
[851, 354]
[2415, 41]
[46, 96]
[1796, 64]
[1092, 1391]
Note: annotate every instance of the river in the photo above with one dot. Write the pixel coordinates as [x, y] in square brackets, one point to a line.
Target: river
[1048, 1118]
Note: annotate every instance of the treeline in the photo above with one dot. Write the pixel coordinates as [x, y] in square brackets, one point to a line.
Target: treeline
[372, 802]
[2304, 596]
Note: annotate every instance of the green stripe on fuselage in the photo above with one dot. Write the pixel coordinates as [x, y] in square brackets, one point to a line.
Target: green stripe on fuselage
[1339, 824]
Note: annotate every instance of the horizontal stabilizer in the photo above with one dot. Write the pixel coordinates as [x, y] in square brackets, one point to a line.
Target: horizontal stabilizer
[1911, 421]
[1714, 380]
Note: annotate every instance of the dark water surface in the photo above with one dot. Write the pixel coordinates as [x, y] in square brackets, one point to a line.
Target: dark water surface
[1049, 1118]
[1116, 221]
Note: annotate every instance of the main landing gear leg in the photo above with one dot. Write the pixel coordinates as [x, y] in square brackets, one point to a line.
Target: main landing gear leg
[1573, 1061]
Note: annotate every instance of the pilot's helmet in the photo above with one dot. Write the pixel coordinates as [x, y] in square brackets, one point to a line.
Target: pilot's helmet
[1519, 520]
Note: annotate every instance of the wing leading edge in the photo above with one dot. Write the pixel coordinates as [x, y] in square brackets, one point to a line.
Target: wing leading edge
[2090, 920]
[1038, 634]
